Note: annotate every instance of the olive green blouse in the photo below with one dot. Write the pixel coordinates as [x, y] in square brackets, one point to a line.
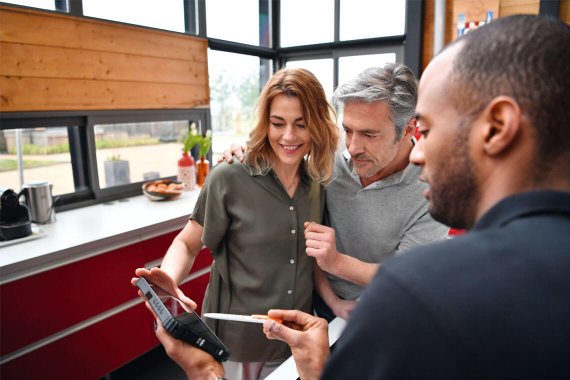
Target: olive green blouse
[255, 233]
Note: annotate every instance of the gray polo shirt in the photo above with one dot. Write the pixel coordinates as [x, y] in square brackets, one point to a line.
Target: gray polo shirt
[376, 222]
[255, 232]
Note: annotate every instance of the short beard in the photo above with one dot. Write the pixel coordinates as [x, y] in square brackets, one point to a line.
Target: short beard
[454, 191]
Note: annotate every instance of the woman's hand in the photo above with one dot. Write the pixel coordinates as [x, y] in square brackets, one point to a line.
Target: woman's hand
[160, 278]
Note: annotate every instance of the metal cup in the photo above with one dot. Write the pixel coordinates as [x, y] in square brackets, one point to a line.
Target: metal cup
[39, 201]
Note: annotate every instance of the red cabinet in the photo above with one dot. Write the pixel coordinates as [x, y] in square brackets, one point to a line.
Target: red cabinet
[84, 319]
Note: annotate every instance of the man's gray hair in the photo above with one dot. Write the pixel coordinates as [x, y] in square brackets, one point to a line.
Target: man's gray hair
[394, 84]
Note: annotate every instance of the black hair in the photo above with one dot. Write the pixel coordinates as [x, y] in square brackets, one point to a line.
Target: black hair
[527, 58]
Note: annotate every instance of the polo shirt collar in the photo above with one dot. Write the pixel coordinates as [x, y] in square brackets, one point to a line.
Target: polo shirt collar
[523, 204]
[391, 180]
[265, 168]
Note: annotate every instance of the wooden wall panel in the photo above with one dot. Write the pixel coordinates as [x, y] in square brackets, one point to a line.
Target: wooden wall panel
[473, 11]
[49, 94]
[53, 62]
[512, 7]
[506, 8]
[428, 31]
[55, 29]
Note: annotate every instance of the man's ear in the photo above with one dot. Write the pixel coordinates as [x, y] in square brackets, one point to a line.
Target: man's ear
[502, 125]
[410, 128]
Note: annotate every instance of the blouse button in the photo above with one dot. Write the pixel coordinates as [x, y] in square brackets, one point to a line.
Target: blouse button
[292, 261]
[293, 232]
[291, 208]
[289, 291]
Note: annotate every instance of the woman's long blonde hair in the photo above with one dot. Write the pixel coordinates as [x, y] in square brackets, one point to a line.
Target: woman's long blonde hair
[318, 114]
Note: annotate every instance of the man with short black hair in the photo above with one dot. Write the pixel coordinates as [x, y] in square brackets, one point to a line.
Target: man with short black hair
[494, 304]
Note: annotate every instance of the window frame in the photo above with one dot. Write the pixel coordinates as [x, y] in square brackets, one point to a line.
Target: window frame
[83, 150]
[82, 140]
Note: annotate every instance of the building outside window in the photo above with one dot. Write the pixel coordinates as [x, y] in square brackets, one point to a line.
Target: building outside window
[45, 156]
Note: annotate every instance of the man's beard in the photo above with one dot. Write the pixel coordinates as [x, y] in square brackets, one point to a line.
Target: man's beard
[454, 193]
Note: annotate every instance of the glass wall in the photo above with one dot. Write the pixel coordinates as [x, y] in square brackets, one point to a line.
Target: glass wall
[322, 68]
[135, 152]
[350, 66]
[355, 37]
[237, 21]
[163, 14]
[372, 18]
[42, 4]
[45, 156]
[234, 89]
[334, 39]
[306, 22]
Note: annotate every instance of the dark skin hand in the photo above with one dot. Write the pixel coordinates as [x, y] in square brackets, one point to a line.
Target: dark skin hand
[307, 336]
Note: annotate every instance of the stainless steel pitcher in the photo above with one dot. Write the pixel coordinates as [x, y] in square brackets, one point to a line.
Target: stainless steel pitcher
[39, 201]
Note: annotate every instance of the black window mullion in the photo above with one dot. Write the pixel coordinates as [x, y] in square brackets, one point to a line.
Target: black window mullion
[264, 24]
[190, 17]
[275, 24]
[549, 8]
[336, 39]
[78, 153]
[61, 5]
[336, 20]
[413, 43]
[75, 7]
[202, 27]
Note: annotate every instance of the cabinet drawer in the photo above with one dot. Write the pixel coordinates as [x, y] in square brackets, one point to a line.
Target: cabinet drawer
[40, 305]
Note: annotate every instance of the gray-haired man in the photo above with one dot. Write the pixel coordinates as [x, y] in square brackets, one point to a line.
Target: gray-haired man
[375, 204]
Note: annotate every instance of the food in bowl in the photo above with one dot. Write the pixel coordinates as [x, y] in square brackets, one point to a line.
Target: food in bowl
[162, 189]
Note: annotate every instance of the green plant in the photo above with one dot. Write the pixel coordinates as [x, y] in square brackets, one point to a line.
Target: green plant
[205, 143]
[191, 139]
[114, 157]
[108, 144]
[10, 164]
[35, 149]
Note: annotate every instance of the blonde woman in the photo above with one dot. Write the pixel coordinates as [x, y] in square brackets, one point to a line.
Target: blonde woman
[251, 217]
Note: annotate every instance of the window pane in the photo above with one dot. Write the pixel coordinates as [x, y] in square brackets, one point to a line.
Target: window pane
[349, 67]
[305, 22]
[164, 14]
[234, 89]
[323, 70]
[371, 18]
[135, 152]
[236, 21]
[43, 4]
[45, 155]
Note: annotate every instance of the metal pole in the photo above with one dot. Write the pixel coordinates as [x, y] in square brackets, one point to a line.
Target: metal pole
[19, 157]
[439, 26]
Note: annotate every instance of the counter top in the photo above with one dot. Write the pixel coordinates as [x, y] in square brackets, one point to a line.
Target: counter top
[89, 231]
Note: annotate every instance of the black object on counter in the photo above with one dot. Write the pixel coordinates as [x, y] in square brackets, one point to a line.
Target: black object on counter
[14, 217]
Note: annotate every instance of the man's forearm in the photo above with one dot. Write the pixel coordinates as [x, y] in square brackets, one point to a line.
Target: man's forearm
[351, 269]
[324, 288]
